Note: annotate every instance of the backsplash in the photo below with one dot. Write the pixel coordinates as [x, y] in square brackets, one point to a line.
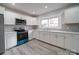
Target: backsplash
[71, 27]
[12, 27]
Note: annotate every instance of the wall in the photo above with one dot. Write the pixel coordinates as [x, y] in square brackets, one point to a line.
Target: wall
[52, 14]
[12, 27]
[68, 27]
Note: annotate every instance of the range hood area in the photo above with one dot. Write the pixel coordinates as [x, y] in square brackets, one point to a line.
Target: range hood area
[20, 21]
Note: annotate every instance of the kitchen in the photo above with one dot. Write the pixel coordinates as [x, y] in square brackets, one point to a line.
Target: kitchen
[58, 27]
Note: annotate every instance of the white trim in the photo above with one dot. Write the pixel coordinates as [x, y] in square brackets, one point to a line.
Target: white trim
[59, 23]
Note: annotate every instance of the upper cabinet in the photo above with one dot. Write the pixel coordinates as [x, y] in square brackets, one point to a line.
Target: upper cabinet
[9, 18]
[32, 21]
[71, 15]
[18, 16]
[2, 9]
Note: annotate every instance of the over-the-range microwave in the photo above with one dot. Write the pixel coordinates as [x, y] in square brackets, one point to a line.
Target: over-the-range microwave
[20, 21]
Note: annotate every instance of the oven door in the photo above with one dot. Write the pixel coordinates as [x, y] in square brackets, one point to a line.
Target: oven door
[22, 38]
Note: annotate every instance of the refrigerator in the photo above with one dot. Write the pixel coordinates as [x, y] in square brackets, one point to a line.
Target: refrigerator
[2, 41]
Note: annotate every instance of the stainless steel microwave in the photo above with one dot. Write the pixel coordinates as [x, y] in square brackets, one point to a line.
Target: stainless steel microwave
[20, 21]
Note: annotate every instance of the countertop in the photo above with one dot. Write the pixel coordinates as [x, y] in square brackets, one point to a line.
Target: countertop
[58, 31]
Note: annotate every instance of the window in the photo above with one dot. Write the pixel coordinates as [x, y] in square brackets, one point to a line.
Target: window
[44, 23]
[50, 23]
[53, 22]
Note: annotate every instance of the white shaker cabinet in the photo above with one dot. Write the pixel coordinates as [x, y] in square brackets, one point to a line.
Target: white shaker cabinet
[2, 9]
[65, 40]
[31, 34]
[53, 38]
[9, 18]
[31, 21]
[18, 16]
[41, 35]
[35, 34]
[57, 39]
[44, 36]
[60, 40]
[72, 42]
[10, 39]
[34, 21]
[71, 15]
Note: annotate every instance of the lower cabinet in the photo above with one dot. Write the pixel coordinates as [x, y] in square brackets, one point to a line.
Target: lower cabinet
[60, 40]
[10, 39]
[65, 40]
[44, 36]
[57, 39]
[72, 42]
[53, 38]
[34, 34]
[50, 37]
[30, 34]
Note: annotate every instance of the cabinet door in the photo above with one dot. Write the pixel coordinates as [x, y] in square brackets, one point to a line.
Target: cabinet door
[2, 9]
[34, 21]
[31, 34]
[31, 21]
[44, 36]
[11, 39]
[71, 15]
[53, 38]
[41, 35]
[24, 17]
[60, 40]
[72, 42]
[9, 18]
[36, 34]
[19, 16]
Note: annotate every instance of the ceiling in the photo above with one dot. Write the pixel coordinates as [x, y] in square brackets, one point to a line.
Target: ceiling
[35, 9]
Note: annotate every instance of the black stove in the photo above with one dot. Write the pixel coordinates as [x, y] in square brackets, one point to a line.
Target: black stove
[22, 37]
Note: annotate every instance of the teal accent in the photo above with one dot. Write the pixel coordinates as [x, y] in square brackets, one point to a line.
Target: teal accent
[22, 41]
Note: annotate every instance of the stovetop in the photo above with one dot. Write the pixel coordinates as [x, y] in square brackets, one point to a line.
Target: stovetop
[22, 30]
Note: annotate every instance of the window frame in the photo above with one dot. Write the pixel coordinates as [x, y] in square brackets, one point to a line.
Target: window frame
[53, 27]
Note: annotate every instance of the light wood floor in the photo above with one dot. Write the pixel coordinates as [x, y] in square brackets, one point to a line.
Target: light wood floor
[35, 47]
